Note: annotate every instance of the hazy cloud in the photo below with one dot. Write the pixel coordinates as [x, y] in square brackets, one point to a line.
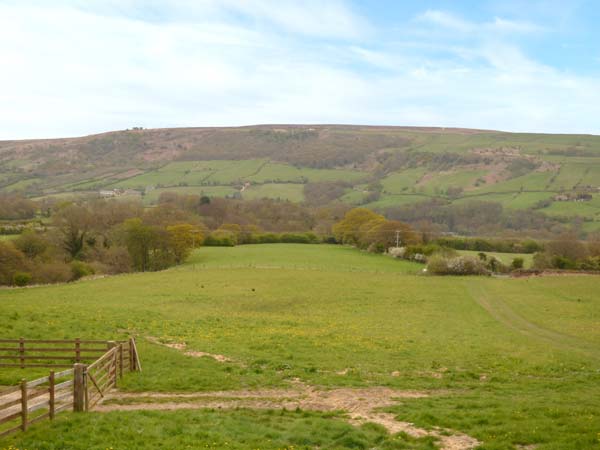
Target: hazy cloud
[82, 67]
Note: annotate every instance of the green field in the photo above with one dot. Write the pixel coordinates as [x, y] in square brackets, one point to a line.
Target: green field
[274, 173]
[510, 362]
[284, 191]
[227, 172]
[505, 258]
[153, 195]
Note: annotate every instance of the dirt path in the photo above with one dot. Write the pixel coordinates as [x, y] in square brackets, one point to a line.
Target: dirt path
[504, 314]
[360, 406]
[195, 354]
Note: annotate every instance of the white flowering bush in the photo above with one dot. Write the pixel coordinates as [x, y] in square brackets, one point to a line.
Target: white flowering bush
[460, 265]
[397, 252]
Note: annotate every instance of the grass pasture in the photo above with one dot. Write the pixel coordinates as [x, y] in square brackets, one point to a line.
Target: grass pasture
[283, 191]
[511, 362]
[505, 258]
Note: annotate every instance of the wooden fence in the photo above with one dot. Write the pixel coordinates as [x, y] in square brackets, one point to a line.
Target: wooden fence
[79, 388]
[26, 353]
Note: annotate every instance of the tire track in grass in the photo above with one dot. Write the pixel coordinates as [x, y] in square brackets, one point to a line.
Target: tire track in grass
[503, 313]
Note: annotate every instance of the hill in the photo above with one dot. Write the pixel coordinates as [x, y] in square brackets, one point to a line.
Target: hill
[380, 167]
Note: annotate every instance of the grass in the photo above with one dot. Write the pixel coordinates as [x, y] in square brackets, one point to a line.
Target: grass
[589, 209]
[285, 191]
[511, 361]
[153, 195]
[439, 183]
[274, 173]
[227, 172]
[513, 200]
[401, 182]
[387, 201]
[209, 429]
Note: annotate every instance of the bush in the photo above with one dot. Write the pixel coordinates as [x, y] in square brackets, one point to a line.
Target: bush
[542, 261]
[220, 239]
[294, 238]
[21, 278]
[79, 269]
[12, 260]
[517, 263]
[267, 238]
[116, 260]
[31, 244]
[460, 265]
[496, 266]
[55, 272]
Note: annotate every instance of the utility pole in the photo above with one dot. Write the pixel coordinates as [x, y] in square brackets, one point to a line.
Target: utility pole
[397, 238]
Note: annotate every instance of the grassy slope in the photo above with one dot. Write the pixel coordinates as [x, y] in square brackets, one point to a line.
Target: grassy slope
[517, 361]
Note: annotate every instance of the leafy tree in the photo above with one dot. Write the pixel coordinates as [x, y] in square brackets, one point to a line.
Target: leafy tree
[182, 239]
[140, 240]
[348, 230]
[74, 223]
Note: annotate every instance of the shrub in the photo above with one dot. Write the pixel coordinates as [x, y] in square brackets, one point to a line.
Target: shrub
[517, 263]
[116, 260]
[31, 244]
[542, 261]
[220, 238]
[496, 266]
[267, 238]
[12, 261]
[21, 278]
[80, 269]
[590, 264]
[54, 272]
[460, 265]
[562, 262]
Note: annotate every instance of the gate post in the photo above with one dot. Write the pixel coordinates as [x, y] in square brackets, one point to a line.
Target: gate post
[79, 387]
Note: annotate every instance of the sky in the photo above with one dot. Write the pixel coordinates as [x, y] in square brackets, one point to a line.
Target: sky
[78, 67]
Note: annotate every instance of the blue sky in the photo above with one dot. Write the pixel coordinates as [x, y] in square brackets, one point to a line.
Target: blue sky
[76, 67]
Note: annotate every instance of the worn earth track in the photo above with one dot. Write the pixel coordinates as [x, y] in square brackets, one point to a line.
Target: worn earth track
[504, 314]
[360, 406]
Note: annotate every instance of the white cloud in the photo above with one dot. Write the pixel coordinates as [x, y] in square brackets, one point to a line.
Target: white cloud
[77, 69]
[456, 23]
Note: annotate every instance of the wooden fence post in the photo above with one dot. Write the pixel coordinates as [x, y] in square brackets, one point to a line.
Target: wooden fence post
[79, 387]
[138, 365]
[77, 350]
[51, 393]
[113, 365]
[24, 405]
[121, 360]
[131, 358]
[22, 352]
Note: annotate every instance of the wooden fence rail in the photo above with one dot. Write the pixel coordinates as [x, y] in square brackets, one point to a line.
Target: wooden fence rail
[80, 387]
[52, 353]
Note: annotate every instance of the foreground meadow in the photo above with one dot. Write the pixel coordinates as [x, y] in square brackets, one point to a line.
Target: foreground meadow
[510, 362]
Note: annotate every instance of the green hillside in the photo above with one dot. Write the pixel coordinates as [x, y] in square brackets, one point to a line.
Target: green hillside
[381, 167]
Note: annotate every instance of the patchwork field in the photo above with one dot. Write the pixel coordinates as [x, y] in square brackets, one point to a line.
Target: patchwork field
[395, 165]
[354, 346]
